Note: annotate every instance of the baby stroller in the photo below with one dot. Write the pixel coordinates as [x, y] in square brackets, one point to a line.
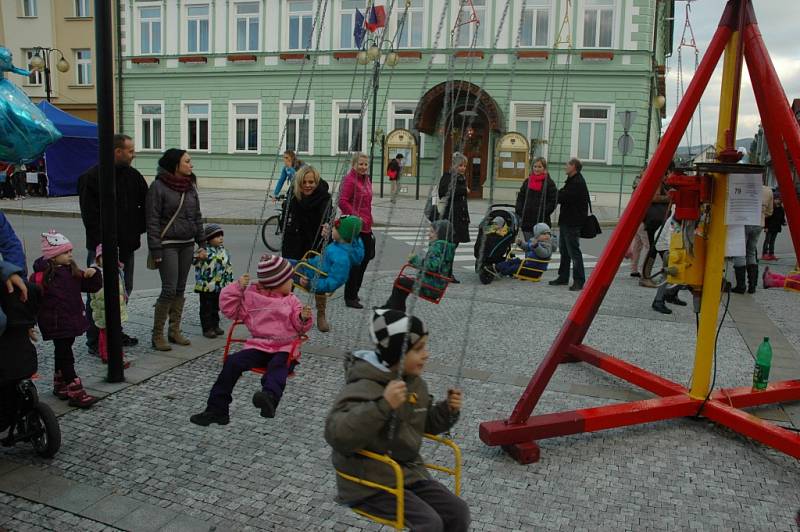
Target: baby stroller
[494, 244]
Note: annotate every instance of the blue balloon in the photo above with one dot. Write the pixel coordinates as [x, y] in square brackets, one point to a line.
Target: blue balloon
[24, 130]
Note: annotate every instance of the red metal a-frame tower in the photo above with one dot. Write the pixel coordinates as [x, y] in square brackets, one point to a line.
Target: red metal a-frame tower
[738, 35]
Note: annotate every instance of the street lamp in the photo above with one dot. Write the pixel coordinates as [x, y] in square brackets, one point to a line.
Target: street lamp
[41, 62]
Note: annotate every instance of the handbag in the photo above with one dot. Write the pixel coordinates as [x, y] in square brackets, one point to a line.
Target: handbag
[591, 227]
[431, 209]
[151, 261]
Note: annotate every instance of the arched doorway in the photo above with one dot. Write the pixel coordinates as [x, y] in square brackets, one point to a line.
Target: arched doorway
[472, 117]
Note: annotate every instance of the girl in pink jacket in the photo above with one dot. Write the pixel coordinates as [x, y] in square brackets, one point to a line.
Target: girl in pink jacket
[355, 198]
[276, 320]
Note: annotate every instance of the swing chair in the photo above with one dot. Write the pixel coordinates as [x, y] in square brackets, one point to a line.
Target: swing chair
[296, 345]
[299, 274]
[791, 282]
[420, 288]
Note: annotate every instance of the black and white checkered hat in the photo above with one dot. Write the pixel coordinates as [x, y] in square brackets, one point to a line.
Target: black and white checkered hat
[389, 330]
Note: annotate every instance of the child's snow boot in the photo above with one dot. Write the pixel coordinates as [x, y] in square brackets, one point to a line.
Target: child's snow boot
[78, 396]
[266, 402]
[59, 386]
[207, 417]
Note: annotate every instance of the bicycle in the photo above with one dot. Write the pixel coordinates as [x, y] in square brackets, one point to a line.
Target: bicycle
[32, 421]
[272, 228]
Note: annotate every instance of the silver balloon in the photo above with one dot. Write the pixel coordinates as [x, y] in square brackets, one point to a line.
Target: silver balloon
[25, 132]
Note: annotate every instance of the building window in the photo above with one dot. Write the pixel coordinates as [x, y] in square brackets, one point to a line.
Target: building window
[471, 34]
[83, 66]
[412, 29]
[247, 18]
[29, 8]
[348, 125]
[301, 18]
[347, 22]
[299, 120]
[598, 23]
[536, 23]
[150, 30]
[197, 28]
[592, 133]
[149, 126]
[35, 78]
[244, 135]
[196, 125]
[531, 120]
[82, 9]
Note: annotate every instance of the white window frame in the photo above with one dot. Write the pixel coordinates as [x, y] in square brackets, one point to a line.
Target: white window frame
[576, 121]
[413, 10]
[614, 6]
[392, 115]
[185, 116]
[137, 121]
[283, 116]
[36, 74]
[288, 15]
[87, 67]
[33, 12]
[83, 8]
[551, 9]
[472, 27]
[341, 30]
[336, 106]
[186, 18]
[137, 26]
[512, 122]
[232, 117]
[233, 40]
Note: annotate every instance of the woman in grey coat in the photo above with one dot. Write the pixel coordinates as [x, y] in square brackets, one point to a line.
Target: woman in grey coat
[173, 227]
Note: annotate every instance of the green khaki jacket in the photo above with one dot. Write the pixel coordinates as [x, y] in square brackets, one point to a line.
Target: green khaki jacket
[361, 417]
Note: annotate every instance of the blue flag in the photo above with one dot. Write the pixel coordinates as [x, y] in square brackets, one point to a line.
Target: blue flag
[359, 31]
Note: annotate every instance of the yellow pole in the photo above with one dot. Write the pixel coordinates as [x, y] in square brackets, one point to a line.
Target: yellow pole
[717, 233]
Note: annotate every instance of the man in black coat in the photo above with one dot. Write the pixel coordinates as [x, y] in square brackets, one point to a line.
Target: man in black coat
[131, 192]
[574, 201]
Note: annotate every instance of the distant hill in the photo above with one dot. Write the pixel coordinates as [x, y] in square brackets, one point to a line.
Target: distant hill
[683, 151]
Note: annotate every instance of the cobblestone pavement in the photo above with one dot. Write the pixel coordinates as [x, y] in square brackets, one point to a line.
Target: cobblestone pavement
[257, 474]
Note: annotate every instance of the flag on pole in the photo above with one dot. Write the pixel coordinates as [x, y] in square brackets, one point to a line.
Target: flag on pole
[358, 30]
[376, 19]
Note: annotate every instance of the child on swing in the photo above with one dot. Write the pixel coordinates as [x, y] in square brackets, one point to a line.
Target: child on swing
[539, 248]
[435, 264]
[379, 412]
[276, 319]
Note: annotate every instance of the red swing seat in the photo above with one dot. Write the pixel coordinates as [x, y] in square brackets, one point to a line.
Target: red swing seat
[426, 291]
[231, 340]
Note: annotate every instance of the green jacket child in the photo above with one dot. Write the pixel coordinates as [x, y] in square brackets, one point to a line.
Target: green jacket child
[378, 412]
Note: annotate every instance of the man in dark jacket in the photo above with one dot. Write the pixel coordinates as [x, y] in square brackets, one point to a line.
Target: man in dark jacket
[131, 193]
[574, 201]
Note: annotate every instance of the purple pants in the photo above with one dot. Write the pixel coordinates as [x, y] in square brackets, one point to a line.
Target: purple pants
[273, 382]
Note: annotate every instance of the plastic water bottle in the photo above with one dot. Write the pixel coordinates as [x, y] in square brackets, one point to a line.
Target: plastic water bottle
[763, 363]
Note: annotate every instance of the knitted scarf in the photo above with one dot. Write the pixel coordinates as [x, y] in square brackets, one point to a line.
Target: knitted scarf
[535, 182]
[178, 183]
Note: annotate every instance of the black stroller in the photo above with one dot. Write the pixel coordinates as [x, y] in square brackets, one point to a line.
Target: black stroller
[494, 244]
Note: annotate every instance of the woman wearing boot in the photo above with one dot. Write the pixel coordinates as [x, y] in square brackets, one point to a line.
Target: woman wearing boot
[453, 190]
[309, 207]
[173, 227]
[654, 219]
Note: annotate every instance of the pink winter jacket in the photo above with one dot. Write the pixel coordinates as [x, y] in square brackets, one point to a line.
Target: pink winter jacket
[355, 197]
[272, 319]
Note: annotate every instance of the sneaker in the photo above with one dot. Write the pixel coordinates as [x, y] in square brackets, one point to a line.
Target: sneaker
[773, 257]
[266, 402]
[559, 282]
[129, 341]
[207, 417]
[636, 274]
[659, 306]
[765, 256]
[78, 396]
[210, 333]
[454, 280]
[576, 287]
[353, 303]
[218, 331]
[676, 301]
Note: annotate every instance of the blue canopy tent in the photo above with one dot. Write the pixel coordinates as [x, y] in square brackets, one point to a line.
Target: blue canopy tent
[71, 156]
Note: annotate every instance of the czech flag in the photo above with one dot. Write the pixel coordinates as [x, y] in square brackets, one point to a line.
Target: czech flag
[376, 19]
[358, 30]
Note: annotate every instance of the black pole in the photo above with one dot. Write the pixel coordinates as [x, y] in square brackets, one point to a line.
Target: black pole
[374, 116]
[418, 138]
[118, 6]
[383, 161]
[108, 190]
[47, 87]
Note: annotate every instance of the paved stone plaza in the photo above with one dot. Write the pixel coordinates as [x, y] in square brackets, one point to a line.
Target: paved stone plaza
[134, 461]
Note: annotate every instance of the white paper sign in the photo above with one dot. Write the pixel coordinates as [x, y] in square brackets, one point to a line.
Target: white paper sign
[505, 154]
[521, 166]
[744, 200]
[31, 177]
[735, 241]
[508, 164]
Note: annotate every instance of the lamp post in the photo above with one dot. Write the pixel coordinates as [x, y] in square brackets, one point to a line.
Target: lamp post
[41, 62]
[373, 53]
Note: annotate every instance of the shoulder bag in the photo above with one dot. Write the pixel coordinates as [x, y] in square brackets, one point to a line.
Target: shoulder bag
[151, 261]
[591, 227]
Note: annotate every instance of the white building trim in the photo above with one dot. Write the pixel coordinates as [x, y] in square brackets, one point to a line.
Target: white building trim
[185, 125]
[576, 121]
[232, 117]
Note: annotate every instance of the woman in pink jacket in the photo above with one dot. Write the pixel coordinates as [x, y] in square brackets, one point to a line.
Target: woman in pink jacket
[355, 197]
[276, 320]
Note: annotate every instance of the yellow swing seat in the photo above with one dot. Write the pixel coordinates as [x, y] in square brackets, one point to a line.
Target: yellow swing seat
[398, 489]
[303, 263]
[531, 269]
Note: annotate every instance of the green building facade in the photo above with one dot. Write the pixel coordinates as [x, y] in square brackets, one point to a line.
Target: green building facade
[225, 78]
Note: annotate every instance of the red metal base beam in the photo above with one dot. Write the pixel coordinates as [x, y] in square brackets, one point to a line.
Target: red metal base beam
[757, 429]
[524, 453]
[744, 397]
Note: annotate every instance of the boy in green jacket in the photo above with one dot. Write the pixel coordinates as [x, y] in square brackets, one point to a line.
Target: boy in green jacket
[434, 267]
[379, 412]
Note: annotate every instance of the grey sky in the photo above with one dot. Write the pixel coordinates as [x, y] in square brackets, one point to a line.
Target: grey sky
[777, 20]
